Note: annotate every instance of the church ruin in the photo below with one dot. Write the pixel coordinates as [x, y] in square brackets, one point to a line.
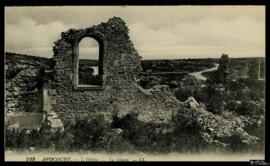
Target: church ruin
[118, 92]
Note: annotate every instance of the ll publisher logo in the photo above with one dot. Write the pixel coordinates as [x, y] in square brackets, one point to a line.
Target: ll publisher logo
[258, 162]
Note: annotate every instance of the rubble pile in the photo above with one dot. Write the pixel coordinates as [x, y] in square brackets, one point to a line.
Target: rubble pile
[214, 129]
[52, 123]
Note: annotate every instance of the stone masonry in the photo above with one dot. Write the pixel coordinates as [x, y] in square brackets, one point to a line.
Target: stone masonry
[119, 92]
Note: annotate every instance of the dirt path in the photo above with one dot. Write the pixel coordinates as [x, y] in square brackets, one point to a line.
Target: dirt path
[199, 75]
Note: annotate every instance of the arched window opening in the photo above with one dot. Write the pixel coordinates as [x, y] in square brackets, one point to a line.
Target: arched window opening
[89, 65]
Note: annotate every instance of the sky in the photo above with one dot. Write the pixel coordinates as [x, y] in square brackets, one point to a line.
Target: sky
[157, 32]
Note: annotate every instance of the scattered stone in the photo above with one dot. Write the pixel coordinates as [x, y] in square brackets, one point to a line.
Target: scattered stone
[14, 127]
[192, 102]
[32, 148]
[28, 131]
[210, 129]
[118, 131]
[215, 128]
[52, 123]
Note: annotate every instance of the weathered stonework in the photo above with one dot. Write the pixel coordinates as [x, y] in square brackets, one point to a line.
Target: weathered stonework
[221, 76]
[254, 70]
[119, 68]
[22, 87]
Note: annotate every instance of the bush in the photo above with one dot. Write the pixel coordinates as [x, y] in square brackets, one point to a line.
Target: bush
[144, 136]
[247, 108]
[24, 138]
[96, 134]
[86, 75]
[87, 132]
[182, 93]
[233, 106]
[64, 141]
[215, 100]
[186, 135]
[113, 142]
[82, 135]
[130, 124]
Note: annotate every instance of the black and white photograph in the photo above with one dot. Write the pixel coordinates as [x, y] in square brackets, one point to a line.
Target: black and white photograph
[134, 83]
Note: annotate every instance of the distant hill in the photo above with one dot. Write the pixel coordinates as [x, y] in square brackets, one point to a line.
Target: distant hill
[27, 58]
[154, 66]
[88, 62]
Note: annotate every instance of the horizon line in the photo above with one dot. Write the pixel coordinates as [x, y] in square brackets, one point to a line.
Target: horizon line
[148, 58]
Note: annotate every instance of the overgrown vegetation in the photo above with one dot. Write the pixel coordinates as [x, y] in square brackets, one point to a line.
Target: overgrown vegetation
[86, 76]
[126, 134]
[177, 65]
[241, 101]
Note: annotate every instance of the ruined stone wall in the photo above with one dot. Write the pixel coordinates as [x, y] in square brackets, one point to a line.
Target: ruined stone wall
[254, 69]
[23, 86]
[222, 72]
[19, 101]
[119, 92]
